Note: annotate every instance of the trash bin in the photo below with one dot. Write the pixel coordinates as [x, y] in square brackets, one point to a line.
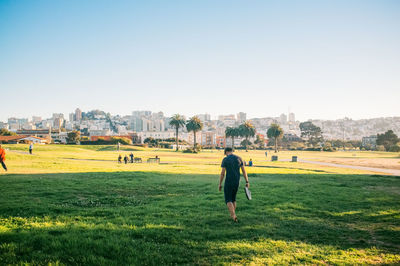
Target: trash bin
[274, 158]
[294, 159]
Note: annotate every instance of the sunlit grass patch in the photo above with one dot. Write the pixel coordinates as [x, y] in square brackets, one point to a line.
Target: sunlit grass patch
[77, 205]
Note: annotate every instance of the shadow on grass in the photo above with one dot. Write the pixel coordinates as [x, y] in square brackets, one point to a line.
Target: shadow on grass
[159, 218]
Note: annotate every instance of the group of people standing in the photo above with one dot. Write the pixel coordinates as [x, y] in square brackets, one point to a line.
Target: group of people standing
[126, 158]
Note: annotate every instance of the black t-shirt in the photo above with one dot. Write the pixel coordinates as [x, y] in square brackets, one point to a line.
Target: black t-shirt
[232, 164]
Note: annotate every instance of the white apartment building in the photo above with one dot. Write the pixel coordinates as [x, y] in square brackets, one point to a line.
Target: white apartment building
[59, 137]
[230, 122]
[156, 135]
[100, 132]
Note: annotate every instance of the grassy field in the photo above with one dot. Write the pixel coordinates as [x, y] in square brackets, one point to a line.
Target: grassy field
[76, 205]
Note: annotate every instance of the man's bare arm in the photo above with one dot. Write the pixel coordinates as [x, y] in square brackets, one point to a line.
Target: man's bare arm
[221, 178]
[245, 176]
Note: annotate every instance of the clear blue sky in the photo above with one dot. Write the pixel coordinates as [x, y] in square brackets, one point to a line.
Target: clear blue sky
[324, 59]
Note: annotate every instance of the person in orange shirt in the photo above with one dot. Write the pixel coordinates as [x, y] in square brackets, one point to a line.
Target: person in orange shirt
[3, 158]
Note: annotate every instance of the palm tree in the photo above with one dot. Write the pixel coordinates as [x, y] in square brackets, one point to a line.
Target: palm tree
[232, 132]
[194, 124]
[275, 132]
[177, 121]
[247, 130]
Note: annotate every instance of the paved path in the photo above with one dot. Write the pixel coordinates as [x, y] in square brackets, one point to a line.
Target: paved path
[371, 169]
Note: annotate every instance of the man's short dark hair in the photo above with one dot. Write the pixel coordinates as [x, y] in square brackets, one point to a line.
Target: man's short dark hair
[228, 149]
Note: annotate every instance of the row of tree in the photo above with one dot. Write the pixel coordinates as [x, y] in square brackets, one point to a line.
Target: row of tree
[245, 130]
[311, 133]
[389, 140]
[194, 125]
[5, 132]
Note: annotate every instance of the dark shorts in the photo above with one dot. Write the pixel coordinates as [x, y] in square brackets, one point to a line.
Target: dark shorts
[230, 192]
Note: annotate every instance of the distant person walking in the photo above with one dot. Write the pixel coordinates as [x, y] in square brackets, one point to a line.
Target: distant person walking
[131, 155]
[266, 154]
[126, 159]
[119, 158]
[3, 158]
[118, 146]
[30, 148]
[231, 166]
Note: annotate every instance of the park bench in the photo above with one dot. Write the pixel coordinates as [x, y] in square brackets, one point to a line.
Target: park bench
[274, 158]
[137, 160]
[294, 159]
[153, 160]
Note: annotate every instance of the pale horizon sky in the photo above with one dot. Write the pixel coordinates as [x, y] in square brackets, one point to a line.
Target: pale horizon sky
[323, 59]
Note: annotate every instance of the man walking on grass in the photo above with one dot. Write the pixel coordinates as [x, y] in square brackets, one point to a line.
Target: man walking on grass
[3, 158]
[231, 165]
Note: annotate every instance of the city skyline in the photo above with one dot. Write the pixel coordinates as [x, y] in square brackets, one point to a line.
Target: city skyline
[213, 116]
[145, 123]
[324, 60]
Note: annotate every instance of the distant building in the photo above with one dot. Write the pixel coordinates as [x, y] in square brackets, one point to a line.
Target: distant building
[283, 119]
[46, 123]
[190, 137]
[158, 125]
[230, 122]
[51, 135]
[41, 133]
[23, 139]
[36, 119]
[69, 126]
[28, 126]
[58, 115]
[369, 141]
[157, 116]
[71, 117]
[147, 124]
[292, 118]
[141, 113]
[241, 117]
[226, 117]
[100, 132]
[58, 122]
[220, 141]
[204, 117]
[78, 115]
[292, 137]
[136, 124]
[3, 125]
[207, 139]
[59, 136]
[155, 135]
[146, 121]
[17, 123]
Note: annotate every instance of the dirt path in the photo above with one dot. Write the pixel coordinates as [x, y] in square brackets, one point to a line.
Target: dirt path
[371, 169]
[385, 163]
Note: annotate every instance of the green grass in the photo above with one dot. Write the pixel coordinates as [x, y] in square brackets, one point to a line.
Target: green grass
[75, 205]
